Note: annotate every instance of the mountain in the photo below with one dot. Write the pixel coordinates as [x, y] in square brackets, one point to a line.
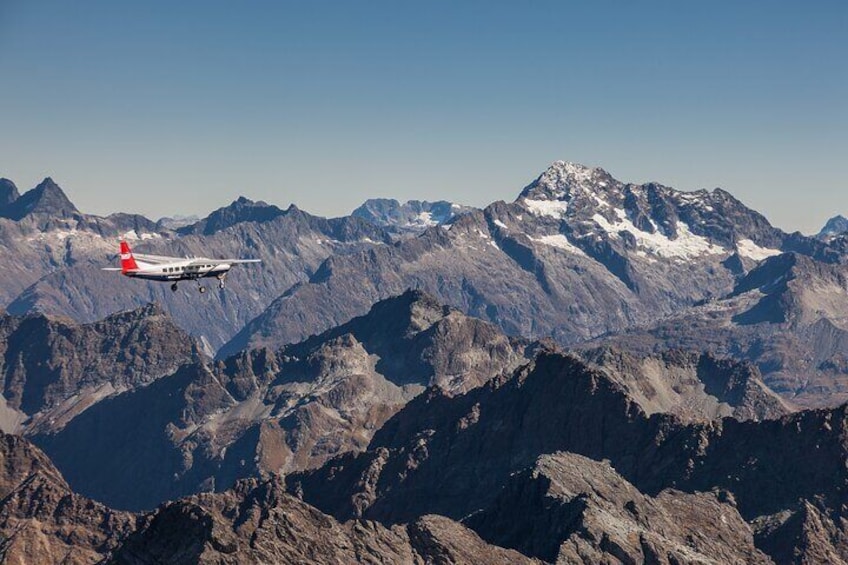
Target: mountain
[789, 316]
[835, 226]
[46, 199]
[203, 427]
[42, 520]
[571, 509]
[413, 216]
[42, 232]
[178, 221]
[493, 459]
[576, 256]
[8, 194]
[241, 210]
[691, 385]
[54, 369]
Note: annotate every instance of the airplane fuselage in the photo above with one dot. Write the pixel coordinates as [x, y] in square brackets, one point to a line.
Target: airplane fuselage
[190, 269]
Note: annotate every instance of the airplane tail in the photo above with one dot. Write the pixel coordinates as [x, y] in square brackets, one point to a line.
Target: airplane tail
[127, 260]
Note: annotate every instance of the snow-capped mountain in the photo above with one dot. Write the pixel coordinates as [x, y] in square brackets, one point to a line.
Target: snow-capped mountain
[834, 227]
[653, 220]
[413, 216]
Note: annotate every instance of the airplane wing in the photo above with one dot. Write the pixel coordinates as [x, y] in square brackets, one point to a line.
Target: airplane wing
[156, 259]
[202, 261]
[111, 269]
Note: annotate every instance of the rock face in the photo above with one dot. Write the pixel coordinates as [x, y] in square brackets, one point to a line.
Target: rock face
[576, 256]
[8, 194]
[42, 521]
[53, 369]
[464, 457]
[260, 523]
[692, 386]
[570, 509]
[789, 316]
[261, 412]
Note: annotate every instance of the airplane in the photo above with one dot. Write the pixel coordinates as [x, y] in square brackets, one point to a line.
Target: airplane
[174, 269]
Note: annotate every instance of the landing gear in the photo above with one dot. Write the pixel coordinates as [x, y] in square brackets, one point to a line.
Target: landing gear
[174, 287]
[221, 280]
[201, 289]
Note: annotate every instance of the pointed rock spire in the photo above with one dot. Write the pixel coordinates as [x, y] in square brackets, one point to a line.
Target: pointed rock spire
[45, 199]
[8, 194]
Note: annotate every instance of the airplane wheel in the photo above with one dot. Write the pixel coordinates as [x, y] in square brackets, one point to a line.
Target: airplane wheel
[202, 289]
[221, 285]
[174, 287]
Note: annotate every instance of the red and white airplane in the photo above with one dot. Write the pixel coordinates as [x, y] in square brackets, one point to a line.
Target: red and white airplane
[174, 269]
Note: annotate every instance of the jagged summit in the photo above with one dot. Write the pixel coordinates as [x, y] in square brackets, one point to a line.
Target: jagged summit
[46, 199]
[657, 217]
[562, 178]
[240, 210]
[8, 193]
[835, 226]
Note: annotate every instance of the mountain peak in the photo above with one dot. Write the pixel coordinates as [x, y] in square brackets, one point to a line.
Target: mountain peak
[562, 178]
[409, 216]
[8, 193]
[835, 226]
[240, 210]
[47, 199]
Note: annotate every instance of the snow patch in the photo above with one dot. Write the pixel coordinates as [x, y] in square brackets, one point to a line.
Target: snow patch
[500, 224]
[686, 246]
[751, 250]
[551, 208]
[559, 241]
[425, 219]
[132, 235]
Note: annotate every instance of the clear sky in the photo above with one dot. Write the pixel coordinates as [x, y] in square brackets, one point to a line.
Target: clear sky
[179, 107]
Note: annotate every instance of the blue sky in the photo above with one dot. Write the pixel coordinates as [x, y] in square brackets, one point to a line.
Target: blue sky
[179, 107]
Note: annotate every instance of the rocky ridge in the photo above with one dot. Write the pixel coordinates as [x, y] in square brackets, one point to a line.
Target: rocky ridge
[261, 412]
[42, 521]
[54, 369]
